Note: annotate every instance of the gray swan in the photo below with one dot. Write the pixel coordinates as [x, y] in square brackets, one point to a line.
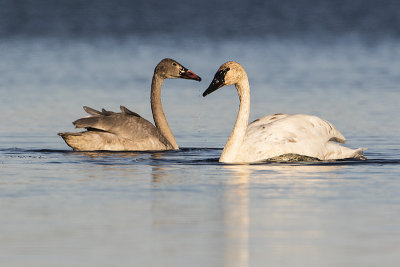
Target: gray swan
[127, 130]
[275, 135]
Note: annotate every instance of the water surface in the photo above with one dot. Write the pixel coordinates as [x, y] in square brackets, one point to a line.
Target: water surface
[183, 208]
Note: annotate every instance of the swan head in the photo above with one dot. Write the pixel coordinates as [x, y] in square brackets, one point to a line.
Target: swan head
[171, 69]
[229, 73]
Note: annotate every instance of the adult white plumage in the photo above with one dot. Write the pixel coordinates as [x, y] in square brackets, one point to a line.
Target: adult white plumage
[278, 134]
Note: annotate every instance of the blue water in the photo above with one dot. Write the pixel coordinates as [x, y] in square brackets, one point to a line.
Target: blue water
[215, 19]
[184, 208]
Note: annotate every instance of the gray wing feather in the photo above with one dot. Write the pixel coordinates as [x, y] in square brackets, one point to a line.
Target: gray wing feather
[91, 111]
[95, 112]
[126, 124]
[127, 111]
[107, 112]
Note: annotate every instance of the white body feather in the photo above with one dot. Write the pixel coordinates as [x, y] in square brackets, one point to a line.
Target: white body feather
[300, 134]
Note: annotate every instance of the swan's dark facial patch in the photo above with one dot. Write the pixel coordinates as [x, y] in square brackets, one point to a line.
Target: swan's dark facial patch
[219, 77]
[217, 82]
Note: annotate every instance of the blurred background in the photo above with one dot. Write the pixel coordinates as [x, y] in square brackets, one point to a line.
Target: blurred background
[233, 19]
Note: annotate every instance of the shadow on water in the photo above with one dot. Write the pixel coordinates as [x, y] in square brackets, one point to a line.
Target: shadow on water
[183, 156]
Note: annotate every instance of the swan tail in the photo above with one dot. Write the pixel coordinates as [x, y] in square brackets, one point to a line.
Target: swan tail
[336, 151]
[359, 154]
[91, 140]
[73, 140]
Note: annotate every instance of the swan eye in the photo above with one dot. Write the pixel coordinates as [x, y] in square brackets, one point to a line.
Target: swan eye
[220, 75]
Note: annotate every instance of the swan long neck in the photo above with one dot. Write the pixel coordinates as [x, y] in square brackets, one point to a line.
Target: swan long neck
[158, 113]
[232, 146]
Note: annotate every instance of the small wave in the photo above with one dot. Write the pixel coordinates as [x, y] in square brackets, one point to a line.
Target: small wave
[183, 156]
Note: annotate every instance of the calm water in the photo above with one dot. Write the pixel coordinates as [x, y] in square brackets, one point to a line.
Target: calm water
[183, 208]
[338, 61]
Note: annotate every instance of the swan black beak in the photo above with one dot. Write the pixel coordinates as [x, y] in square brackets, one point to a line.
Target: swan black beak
[217, 82]
[188, 74]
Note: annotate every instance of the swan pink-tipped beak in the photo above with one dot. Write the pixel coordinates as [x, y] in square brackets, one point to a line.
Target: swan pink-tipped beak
[188, 74]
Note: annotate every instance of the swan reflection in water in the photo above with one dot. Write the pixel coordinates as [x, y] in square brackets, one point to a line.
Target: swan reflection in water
[274, 183]
[210, 210]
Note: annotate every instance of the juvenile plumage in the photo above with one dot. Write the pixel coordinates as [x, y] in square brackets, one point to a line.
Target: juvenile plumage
[127, 130]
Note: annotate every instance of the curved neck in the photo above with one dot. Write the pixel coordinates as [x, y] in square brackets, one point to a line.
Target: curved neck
[158, 112]
[235, 141]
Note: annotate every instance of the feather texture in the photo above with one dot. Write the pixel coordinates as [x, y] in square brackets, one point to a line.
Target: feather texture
[127, 130]
[278, 136]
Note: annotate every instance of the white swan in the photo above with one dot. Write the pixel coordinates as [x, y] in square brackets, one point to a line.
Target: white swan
[107, 130]
[275, 135]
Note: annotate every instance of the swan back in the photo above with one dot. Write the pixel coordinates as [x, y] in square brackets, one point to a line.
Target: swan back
[284, 127]
[300, 134]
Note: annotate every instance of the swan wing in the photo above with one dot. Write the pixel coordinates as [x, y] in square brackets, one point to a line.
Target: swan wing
[267, 120]
[279, 134]
[91, 111]
[127, 124]
[284, 128]
[128, 111]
